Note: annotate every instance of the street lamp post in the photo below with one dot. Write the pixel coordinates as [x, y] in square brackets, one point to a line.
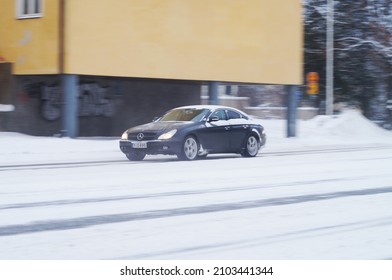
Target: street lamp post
[329, 70]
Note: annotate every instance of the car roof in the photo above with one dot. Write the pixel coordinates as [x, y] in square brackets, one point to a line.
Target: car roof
[210, 107]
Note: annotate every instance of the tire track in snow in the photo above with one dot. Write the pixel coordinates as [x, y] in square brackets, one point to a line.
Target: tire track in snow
[83, 222]
[168, 194]
[78, 164]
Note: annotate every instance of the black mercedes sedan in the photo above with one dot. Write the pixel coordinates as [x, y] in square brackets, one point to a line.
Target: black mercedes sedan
[193, 132]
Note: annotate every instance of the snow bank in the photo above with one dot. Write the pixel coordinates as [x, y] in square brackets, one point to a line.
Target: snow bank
[349, 124]
[347, 129]
[20, 148]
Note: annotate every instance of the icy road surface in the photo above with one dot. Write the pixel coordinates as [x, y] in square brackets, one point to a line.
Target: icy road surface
[325, 195]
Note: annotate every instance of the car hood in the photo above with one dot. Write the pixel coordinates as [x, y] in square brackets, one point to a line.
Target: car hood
[159, 127]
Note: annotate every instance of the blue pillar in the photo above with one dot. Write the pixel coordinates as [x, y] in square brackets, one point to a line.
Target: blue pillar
[291, 110]
[213, 97]
[70, 88]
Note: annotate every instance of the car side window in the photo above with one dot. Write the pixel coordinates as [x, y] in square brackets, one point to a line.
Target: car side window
[220, 114]
[233, 115]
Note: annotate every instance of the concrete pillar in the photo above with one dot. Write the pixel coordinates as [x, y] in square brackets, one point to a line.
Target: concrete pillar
[70, 89]
[291, 110]
[213, 95]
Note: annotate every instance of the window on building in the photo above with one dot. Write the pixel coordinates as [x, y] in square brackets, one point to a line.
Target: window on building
[29, 8]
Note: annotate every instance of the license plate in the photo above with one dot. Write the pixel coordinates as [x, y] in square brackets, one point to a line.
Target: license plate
[139, 145]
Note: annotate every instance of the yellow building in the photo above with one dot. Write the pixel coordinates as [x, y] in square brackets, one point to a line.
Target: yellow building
[30, 35]
[252, 41]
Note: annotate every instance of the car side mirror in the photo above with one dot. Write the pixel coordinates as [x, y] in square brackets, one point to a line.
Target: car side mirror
[213, 119]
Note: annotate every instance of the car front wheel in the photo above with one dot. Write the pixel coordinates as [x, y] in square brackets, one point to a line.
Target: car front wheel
[251, 146]
[135, 155]
[190, 149]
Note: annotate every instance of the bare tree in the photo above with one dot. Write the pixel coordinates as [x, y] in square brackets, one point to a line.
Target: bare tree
[363, 51]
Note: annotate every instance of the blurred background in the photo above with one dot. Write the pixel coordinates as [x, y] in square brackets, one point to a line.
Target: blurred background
[97, 67]
[88, 68]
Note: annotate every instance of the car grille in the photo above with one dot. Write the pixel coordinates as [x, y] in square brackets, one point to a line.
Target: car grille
[146, 136]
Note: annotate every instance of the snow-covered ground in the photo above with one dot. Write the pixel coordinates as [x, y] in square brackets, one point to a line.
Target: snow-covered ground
[326, 194]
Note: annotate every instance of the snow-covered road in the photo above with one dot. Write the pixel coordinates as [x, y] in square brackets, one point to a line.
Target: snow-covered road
[324, 195]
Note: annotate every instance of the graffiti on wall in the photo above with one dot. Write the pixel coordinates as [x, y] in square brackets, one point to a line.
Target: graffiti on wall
[50, 102]
[93, 100]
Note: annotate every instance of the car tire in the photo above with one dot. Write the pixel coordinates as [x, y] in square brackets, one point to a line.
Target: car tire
[189, 149]
[251, 147]
[202, 156]
[135, 155]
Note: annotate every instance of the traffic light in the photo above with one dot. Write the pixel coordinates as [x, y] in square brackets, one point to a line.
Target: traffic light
[312, 79]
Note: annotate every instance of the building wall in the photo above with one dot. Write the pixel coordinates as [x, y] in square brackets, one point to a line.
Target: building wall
[169, 43]
[257, 41]
[5, 83]
[32, 45]
[107, 106]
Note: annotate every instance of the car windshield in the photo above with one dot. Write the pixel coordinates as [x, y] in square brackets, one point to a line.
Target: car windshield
[184, 115]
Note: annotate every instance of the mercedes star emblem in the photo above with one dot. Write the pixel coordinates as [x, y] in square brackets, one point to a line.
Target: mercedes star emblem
[140, 136]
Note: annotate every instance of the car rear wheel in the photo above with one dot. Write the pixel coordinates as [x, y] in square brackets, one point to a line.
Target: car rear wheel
[190, 149]
[135, 155]
[251, 146]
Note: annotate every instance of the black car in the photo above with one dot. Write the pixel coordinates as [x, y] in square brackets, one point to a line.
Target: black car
[193, 132]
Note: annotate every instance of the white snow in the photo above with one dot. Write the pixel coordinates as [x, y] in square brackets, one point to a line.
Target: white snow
[7, 107]
[326, 194]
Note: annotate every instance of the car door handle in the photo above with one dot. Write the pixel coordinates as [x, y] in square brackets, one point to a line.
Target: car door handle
[227, 127]
[245, 126]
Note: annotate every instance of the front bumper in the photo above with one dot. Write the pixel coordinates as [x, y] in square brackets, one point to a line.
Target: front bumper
[152, 147]
[263, 140]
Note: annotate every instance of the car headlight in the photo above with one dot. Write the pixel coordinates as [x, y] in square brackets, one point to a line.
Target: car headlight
[124, 136]
[167, 135]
